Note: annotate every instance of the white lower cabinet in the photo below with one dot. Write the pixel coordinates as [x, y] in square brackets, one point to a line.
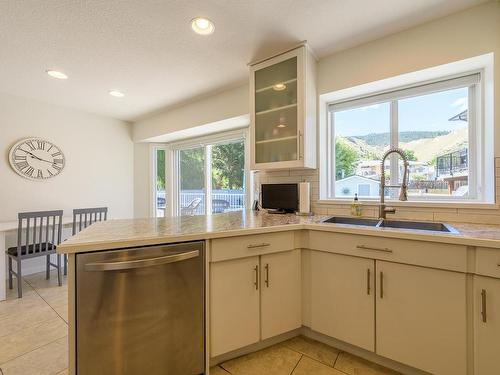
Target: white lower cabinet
[253, 298]
[487, 325]
[421, 317]
[343, 298]
[280, 293]
[234, 304]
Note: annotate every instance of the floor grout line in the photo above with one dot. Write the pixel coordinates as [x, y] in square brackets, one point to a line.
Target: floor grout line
[337, 358]
[44, 300]
[300, 359]
[32, 350]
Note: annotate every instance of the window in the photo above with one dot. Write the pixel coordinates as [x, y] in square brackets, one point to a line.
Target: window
[434, 124]
[211, 175]
[160, 199]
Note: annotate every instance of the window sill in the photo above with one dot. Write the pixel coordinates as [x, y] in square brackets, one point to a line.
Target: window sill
[417, 204]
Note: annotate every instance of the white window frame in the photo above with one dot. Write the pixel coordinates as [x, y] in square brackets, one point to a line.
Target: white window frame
[480, 124]
[153, 148]
[173, 173]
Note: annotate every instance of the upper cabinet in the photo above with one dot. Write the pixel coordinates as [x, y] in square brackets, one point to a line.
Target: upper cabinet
[283, 111]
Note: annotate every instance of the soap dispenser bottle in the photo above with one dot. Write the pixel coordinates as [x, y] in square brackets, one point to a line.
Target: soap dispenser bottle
[356, 206]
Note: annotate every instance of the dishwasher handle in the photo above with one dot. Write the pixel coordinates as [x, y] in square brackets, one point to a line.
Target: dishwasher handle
[141, 263]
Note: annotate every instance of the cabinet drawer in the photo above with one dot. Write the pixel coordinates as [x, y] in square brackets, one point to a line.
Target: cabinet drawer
[245, 246]
[488, 262]
[421, 253]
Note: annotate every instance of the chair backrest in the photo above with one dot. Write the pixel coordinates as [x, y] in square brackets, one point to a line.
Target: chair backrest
[40, 229]
[83, 217]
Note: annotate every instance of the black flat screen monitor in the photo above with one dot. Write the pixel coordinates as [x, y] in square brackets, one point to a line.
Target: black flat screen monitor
[284, 197]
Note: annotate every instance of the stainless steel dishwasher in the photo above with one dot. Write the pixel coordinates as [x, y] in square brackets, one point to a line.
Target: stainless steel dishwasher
[141, 311]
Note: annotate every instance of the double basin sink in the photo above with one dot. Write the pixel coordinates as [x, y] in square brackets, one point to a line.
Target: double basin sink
[396, 224]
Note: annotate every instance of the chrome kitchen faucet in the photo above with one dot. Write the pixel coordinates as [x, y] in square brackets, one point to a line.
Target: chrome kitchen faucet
[403, 193]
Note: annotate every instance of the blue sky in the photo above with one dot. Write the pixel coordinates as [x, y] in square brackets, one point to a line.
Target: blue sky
[427, 112]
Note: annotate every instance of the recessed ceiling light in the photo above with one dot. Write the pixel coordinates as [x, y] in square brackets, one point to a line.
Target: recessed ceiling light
[279, 87]
[116, 93]
[202, 26]
[56, 74]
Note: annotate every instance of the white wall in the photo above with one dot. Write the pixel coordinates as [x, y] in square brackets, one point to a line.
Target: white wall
[142, 183]
[224, 105]
[99, 160]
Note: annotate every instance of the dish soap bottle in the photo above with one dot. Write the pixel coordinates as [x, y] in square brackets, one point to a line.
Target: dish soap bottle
[356, 209]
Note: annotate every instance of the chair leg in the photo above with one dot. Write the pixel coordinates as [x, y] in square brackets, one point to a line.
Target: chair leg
[65, 261]
[59, 277]
[10, 273]
[19, 279]
[47, 268]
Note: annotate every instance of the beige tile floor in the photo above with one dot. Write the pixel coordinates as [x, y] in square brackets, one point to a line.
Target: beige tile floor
[34, 341]
[300, 356]
[34, 329]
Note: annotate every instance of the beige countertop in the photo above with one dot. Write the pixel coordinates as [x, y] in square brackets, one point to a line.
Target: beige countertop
[114, 234]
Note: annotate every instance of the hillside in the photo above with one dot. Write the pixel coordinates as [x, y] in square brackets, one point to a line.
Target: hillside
[380, 139]
[425, 144]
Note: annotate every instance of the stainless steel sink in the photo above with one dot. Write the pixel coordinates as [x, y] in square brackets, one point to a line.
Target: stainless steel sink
[397, 224]
[351, 221]
[417, 225]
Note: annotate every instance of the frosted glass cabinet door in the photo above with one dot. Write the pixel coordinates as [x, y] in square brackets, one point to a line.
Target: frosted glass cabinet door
[276, 98]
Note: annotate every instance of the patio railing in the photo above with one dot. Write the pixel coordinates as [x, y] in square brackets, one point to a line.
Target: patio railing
[235, 199]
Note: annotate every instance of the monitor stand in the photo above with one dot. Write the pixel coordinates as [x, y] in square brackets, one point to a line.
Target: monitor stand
[276, 211]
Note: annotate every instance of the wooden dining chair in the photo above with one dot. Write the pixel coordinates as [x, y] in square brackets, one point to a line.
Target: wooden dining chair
[38, 234]
[82, 218]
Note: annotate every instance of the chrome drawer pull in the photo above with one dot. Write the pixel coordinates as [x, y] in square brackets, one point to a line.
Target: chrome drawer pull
[382, 249]
[368, 286]
[263, 244]
[267, 275]
[256, 283]
[483, 305]
[381, 284]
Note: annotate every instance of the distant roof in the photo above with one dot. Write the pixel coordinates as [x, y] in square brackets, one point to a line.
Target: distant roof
[462, 116]
[360, 177]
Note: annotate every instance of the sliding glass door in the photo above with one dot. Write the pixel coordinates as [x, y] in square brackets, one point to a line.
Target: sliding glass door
[211, 176]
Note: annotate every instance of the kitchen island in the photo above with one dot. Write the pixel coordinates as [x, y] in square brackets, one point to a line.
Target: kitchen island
[253, 259]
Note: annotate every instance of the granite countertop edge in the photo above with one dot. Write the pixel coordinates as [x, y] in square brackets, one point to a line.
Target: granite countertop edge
[116, 234]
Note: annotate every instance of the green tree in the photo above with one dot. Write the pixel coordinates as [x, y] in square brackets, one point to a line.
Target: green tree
[192, 168]
[410, 155]
[346, 158]
[160, 170]
[228, 166]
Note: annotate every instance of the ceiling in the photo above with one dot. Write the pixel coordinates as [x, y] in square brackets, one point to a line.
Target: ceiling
[146, 48]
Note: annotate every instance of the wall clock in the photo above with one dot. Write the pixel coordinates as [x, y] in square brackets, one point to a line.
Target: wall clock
[36, 159]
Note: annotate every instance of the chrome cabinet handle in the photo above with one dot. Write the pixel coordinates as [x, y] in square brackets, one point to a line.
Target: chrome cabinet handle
[254, 245]
[266, 281]
[256, 283]
[300, 141]
[368, 282]
[140, 263]
[483, 305]
[381, 284]
[382, 249]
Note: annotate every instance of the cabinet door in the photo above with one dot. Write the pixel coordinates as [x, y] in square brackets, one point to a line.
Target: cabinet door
[421, 317]
[487, 325]
[234, 304]
[343, 298]
[280, 293]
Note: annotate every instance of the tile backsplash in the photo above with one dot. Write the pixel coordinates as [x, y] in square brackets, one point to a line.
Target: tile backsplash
[452, 214]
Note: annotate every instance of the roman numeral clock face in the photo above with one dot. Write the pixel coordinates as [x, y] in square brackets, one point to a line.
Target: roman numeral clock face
[36, 159]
